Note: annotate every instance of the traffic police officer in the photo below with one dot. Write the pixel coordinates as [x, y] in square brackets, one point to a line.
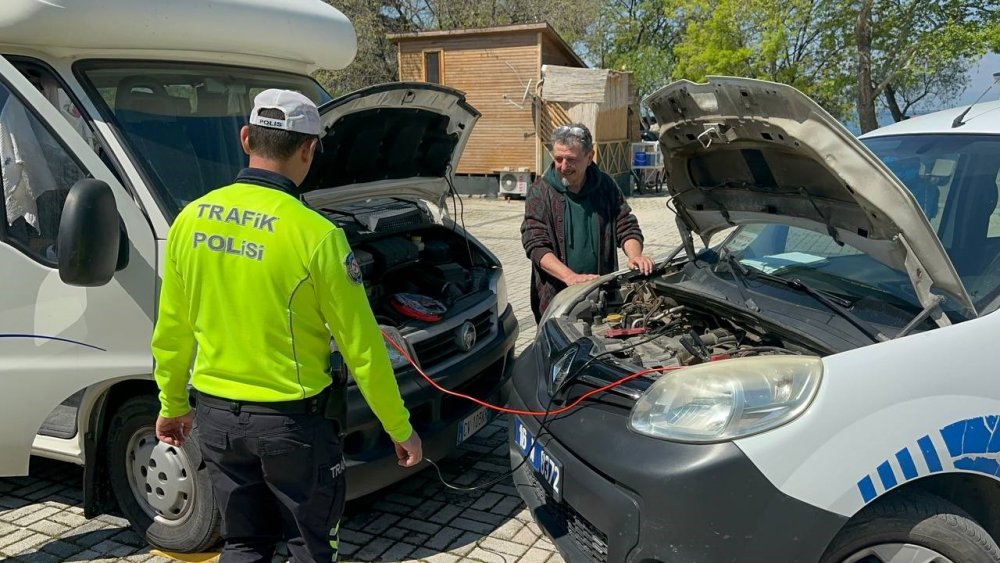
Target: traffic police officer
[257, 283]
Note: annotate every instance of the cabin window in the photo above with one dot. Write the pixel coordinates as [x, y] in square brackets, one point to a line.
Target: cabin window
[432, 66]
[37, 172]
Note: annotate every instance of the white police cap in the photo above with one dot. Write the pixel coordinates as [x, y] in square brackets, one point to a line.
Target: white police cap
[301, 115]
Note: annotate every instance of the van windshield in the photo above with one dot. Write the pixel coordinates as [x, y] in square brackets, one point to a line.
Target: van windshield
[181, 122]
[956, 180]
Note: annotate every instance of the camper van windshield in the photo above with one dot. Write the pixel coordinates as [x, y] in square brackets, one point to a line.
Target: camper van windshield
[181, 122]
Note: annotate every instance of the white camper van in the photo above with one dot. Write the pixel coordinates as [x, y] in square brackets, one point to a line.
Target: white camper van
[113, 116]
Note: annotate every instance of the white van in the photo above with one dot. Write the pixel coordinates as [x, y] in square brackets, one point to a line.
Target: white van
[815, 384]
[113, 116]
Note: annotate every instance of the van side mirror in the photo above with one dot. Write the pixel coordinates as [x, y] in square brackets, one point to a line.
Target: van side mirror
[89, 235]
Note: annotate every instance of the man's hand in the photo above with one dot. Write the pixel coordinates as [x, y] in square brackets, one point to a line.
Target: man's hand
[410, 451]
[642, 263]
[174, 431]
[574, 278]
[555, 268]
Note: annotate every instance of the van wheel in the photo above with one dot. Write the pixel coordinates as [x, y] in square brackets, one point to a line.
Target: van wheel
[912, 527]
[165, 492]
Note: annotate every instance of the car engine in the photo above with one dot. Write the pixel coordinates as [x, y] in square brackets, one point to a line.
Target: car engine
[638, 323]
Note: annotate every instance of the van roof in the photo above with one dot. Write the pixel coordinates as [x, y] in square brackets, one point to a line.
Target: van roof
[982, 119]
[304, 33]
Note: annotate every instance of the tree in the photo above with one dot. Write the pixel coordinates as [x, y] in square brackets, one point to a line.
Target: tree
[375, 62]
[636, 36]
[569, 17]
[926, 88]
[903, 43]
[798, 42]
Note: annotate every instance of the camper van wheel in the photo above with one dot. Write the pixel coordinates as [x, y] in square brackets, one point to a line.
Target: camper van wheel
[912, 526]
[164, 491]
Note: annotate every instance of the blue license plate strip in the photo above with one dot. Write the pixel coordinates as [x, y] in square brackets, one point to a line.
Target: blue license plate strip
[548, 468]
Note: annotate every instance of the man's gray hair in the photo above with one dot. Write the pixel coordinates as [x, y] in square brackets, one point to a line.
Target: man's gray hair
[573, 134]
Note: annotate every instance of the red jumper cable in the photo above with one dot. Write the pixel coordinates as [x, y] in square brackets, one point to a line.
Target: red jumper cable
[560, 410]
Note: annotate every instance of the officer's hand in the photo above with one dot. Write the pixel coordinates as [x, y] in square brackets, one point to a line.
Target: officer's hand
[174, 431]
[411, 451]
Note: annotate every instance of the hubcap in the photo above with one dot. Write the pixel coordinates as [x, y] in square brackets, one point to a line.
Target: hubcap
[897, 553]
[161, 478]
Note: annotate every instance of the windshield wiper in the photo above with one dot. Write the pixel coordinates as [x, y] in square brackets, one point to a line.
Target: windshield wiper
[841, 310]
[837, 305]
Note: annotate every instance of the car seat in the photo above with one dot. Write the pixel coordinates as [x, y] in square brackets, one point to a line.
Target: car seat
[149, 116]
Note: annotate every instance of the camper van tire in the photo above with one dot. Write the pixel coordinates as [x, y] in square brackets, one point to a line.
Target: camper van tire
[162, 490]
[926, 526]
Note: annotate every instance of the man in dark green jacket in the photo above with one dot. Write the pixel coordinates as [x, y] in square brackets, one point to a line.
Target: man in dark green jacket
[575, 218]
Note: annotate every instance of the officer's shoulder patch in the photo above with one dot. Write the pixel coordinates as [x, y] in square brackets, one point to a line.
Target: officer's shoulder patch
[353, 268]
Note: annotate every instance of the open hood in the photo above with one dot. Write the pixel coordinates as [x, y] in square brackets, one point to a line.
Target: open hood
[739, 151]
[380, 135]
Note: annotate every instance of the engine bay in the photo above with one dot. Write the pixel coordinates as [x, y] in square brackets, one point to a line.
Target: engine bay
[416, 271]
[638, 323]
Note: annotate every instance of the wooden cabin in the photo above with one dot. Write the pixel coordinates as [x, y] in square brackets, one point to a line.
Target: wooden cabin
[499, 69]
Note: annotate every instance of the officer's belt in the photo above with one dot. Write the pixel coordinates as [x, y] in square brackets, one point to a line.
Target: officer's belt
[309, 405]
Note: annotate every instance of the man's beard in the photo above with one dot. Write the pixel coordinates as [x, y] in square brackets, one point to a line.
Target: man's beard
[565, 181]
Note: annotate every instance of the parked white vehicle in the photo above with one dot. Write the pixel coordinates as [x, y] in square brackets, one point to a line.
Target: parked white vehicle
[826, 387]
[113, 116]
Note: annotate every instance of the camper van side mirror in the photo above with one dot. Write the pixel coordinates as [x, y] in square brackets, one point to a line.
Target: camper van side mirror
[89, 235]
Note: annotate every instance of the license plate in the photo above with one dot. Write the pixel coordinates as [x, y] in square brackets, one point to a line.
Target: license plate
[546, 466]
[472, 424]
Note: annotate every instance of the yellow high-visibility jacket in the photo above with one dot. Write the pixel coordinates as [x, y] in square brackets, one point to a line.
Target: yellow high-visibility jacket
[254, 285]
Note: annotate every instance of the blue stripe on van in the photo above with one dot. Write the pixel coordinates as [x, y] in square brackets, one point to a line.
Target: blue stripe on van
[930, 454]
[886, 475]
[906, 463]
[867, 489]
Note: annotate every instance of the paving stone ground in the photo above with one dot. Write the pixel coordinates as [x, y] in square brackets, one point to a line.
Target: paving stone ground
[419, 519]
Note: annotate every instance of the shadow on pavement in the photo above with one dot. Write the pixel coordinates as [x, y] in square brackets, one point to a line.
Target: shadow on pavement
[104, 543]
[421, 516]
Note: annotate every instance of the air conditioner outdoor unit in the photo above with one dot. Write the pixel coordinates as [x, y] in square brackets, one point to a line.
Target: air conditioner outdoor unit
[514, 183]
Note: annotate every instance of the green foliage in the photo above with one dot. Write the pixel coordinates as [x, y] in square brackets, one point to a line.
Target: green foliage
[917, 38]
[636, 36]
[375, 62]
[918, 53]
[798, 42]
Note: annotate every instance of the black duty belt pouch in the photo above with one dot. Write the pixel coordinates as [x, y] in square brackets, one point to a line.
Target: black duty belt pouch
[336, 401]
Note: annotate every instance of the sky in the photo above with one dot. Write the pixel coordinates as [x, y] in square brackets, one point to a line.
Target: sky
[980, 77]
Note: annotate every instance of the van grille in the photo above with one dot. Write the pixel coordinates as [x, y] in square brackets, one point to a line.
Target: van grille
[442, 347]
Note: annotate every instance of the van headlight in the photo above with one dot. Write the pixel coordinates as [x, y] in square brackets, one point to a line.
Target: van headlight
[499, 287]
[560, 368]
[727, 399]
[396, 358]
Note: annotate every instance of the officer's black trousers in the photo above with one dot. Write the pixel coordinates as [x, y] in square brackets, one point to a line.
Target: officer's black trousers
[274, 475]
